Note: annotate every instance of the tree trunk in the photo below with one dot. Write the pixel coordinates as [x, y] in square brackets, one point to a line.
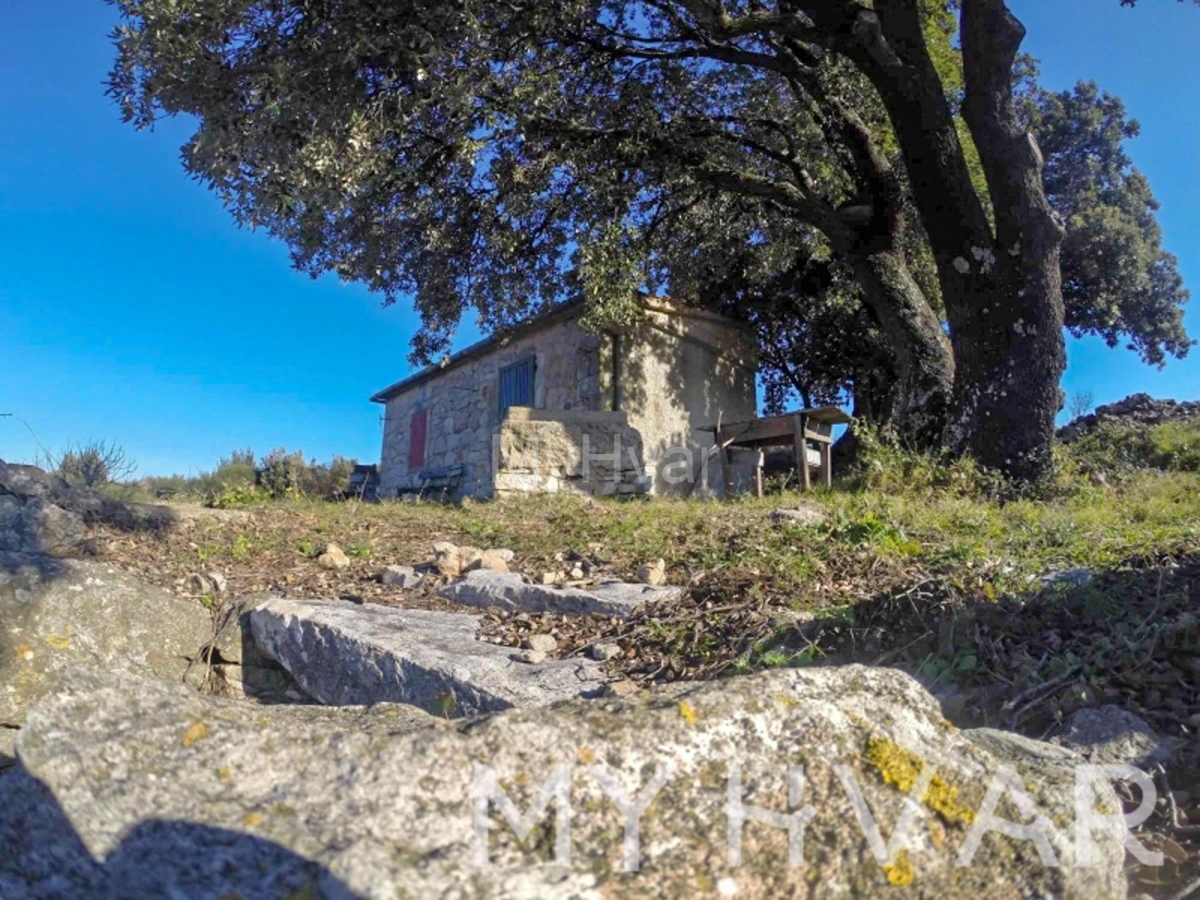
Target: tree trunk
[918, 402]
[1009, 342]
[1001, 283]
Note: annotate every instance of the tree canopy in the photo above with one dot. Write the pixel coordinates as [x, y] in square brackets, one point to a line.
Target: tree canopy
[500, 156]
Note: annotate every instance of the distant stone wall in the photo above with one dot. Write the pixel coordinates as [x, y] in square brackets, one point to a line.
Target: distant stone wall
[547, 451]
[1138, 408]
[464, 411]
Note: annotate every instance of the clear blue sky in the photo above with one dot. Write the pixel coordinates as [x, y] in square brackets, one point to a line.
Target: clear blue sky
[131, 307]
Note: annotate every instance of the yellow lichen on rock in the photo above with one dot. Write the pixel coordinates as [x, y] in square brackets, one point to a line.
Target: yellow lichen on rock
[900, 767]
[59, 641]
[688, 713]
[197, 731]
[900, 872]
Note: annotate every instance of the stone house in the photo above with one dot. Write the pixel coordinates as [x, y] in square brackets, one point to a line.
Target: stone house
[550, 405]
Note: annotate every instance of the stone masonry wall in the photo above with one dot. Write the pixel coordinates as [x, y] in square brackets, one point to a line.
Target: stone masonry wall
[547, 451]
[464, 409]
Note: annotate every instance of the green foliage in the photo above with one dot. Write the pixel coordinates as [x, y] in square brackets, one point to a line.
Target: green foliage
[1117, 447]
[232, 496]
[1118, 282]
[884, 465]
[280, 473]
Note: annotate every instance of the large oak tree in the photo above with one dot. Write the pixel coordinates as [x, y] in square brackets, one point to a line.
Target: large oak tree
[502, 154]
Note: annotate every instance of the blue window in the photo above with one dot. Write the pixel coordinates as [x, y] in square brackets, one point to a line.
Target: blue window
[516, 384]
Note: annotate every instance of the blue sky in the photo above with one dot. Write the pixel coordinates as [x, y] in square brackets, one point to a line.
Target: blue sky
[132, 308]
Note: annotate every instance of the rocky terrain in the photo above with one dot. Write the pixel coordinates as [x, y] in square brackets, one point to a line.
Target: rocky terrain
[190, 731]
[1136, 409]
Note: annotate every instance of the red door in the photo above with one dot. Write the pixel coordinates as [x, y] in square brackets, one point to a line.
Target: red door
[416, 439]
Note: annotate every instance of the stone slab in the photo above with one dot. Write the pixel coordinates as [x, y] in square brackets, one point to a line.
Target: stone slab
[345, 654]
[507, 590]
[132, 787]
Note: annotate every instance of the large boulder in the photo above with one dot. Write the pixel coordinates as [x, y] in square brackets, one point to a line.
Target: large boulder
[41, 513]
[31, 517]
[342, 654]
[56, 614]
[168, 793]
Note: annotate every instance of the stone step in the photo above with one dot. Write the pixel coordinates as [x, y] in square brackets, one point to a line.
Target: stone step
[506, 590]
[343, 654]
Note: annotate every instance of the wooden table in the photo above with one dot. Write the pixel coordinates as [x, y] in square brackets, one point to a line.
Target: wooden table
[792, 430]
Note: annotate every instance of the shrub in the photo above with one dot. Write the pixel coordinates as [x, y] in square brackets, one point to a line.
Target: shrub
[882, 464]
[93, 464]
[281, 474]
[1118, 446]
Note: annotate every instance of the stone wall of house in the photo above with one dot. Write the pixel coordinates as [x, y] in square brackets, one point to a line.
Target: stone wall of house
[683, 368]
[547, 451]
[463, 405]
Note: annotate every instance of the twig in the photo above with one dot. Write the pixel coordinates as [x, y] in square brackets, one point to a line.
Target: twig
[1029, 698]
[892, 654]
[1174, 810]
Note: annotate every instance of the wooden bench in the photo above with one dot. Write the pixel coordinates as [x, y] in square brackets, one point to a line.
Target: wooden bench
[439, 478]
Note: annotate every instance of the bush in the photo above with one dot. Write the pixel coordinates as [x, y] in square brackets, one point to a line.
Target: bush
[882, 464]
[282, 474]
[1117, 447]
[92, 465]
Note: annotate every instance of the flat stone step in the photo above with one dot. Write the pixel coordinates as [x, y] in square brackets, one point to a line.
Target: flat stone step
[507, 590]
[347, 655]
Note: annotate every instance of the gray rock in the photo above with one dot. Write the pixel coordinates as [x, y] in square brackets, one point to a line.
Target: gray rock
[530, 656]
[1110, 734]
[38, 526]
[62, 613]
[135, 787]
[605, 652]
[404, 577]
[804, 516]
[207, 583]
[546, 643]
[346, 654]
[507, 590]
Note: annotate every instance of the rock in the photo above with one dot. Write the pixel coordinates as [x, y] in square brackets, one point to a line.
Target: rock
[275, 801]
[43, 514]
[551, 577]
[806, 516]
[1136, 409]
[508, 590]
[404, 577]
[654, 573]
[452, 560]
[530, 656]
[62, 613]
[333, 557]
[576, 572]
[207, 583]
[622, 688]
[494, 561]
[543, 643]
[605, 652]
[240, 669]
[37, 526]
[344, 654]
[1110, 734]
